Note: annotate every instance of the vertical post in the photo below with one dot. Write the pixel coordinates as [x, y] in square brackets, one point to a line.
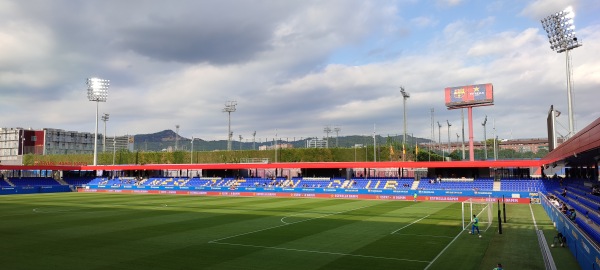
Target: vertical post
[569, 95]
[471, 150]
[504, 208]
[96, 137]
[115, 148]
[462, 118]
[499, 219]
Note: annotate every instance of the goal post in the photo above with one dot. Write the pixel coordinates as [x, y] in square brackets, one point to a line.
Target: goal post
[480, 208]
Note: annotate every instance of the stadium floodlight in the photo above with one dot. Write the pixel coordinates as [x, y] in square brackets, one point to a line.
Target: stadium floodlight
[337, 133]
[405, 96]
[562, 38]
[449, 125]
[104, 119]
[484, 138]
[229, 108]
[327, 130]
[97, 90]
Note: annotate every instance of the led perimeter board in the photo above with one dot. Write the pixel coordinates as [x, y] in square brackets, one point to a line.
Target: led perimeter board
[469, 96]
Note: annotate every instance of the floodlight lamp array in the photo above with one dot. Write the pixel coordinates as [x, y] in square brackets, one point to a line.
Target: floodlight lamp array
[97, 89]
[561, 31]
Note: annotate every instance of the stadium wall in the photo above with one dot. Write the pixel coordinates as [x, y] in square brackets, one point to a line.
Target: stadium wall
[36, 189]
[586, 253]
[379, 194]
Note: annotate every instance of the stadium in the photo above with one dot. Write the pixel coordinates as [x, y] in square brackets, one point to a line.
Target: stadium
[293, 66]
[306, 215]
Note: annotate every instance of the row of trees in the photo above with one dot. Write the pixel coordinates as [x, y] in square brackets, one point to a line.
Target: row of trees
[390, 152]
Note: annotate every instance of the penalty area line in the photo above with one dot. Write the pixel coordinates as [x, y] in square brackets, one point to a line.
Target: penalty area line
[410, 224]
[321, 252]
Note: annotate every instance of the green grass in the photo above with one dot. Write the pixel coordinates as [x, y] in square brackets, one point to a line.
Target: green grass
[118, 231]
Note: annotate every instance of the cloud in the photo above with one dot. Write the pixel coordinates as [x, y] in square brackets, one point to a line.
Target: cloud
[177, 63]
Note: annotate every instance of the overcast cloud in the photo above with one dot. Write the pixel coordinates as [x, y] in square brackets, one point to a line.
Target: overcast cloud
[292, 66]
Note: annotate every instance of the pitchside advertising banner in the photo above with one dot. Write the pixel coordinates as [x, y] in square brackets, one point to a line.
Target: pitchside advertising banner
[381, 194]
[469, 95]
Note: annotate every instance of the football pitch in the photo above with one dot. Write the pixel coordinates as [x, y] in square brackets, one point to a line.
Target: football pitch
[122, 231]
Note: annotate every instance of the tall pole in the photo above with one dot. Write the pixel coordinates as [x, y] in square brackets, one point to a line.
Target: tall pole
[97, 91]
[327, 130]
[240, 142]
[495, 141]
[462, 117]
[229, 108]
[484, 138]
[337, 131]
[570, 95]
[374, 145]
[192, 151]
[104, 119]
[176, 136]
[561, 34]
[254, 140]
[432, 134]
[405, 96]
[440, 139]
[449, 125]
[96, 137]
[114, 148]
[471, 150]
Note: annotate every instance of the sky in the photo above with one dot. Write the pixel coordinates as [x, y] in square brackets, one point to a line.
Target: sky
[292, 67]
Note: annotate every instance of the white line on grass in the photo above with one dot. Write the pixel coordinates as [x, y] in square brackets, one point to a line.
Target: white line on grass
[441, 252]
[285, 224]
[410, 224]
[425, 235]
[322, 252]
[533, 217]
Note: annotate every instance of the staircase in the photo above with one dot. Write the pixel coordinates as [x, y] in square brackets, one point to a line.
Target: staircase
[415, 185]
[497, 186]
[62, 182]
[9, 182]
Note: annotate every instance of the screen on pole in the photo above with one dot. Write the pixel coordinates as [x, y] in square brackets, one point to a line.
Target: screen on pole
[470, 95]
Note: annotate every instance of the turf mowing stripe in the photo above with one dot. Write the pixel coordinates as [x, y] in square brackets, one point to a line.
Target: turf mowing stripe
[269, 228]
[320, 252]
[411, 223]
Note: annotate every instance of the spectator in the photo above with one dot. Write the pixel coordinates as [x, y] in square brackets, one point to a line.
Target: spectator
[572, 214]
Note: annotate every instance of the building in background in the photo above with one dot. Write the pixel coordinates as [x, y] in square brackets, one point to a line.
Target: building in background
[316, 143]
[16, 142]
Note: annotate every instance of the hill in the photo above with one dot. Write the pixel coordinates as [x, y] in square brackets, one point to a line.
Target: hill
[166, 140]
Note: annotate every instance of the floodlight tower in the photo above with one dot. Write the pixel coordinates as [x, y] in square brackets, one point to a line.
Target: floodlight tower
[254, 140]
[405, 96]
[176, 136]
[97, 90]
[337, 133]
[104, 119]
[192, 150]
[561, 34]
[229, 108]
[440, 137]
[327, 130]
[449, 125]
[240, 141]
[484, 138]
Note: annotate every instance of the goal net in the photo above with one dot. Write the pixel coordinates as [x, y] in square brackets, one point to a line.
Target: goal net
[480, 208]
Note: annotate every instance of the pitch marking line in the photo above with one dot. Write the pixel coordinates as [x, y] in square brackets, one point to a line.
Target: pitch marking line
[322, 252]
[410, 224]
[442, 252]
[285, 224]
[425, 235]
